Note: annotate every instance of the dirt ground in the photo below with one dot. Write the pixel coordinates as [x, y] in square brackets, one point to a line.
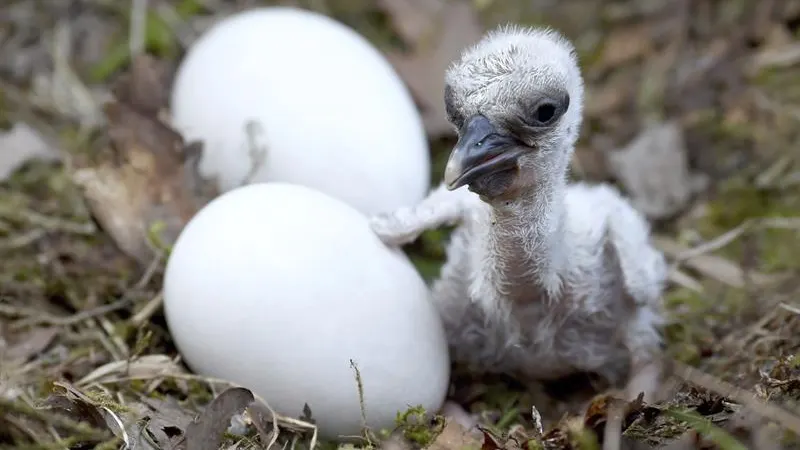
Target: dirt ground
[693, 109]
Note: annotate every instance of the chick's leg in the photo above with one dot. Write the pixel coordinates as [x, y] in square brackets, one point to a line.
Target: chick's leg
[440, 208]
[645, 344]
[452, 411]
[644, 271]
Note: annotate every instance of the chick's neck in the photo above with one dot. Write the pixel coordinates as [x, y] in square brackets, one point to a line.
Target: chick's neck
[527, 237]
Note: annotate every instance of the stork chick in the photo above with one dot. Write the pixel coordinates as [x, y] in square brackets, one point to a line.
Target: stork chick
[542, 280]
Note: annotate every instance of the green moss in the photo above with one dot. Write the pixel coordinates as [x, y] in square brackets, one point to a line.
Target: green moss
[159, 39]
[416, 427]
[686, 332]
[534, 444]
[739, 201]
[198, 392]
[706, 428]
[70, 442]
[583, 438]
[101, 399]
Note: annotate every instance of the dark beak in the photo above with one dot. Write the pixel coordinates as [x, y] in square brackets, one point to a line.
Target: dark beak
[480, 151]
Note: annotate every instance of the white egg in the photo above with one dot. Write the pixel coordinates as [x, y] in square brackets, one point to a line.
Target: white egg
[278, 287]
[333, 114]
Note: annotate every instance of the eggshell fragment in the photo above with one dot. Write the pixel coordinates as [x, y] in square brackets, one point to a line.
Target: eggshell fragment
[328, 110]
[277, 287]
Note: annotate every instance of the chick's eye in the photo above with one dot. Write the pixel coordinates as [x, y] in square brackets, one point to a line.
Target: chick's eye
[544, 113]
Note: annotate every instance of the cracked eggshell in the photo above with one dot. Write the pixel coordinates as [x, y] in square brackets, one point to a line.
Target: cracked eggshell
[329, 109]
[277, 287]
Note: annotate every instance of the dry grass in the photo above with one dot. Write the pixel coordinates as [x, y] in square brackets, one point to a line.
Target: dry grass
[84, 347]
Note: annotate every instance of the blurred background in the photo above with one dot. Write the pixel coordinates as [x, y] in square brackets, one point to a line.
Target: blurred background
[692, 109]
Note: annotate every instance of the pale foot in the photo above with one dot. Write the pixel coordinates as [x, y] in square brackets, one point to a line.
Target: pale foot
[452, 411]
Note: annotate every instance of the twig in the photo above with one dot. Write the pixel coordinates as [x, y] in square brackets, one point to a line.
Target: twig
[149, 309]
[109, 330]
[721, 269]
[361, 403]
[613, 430]
[22, 240]
[48, 222]
[183, 30]
[149, 272]
[714, 244]
[790, 308]
[781, 57]
[38, 317]
[685, 280]
[787, 223]
[102, 337]
[725, 389]
[77, 429]
[136, 39]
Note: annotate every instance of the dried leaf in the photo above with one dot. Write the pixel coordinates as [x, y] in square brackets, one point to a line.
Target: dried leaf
[597, 414]
[146, 87]
[159, 424]
[457, 26]
[77, 405]
[169, 411]
[140, 174]
[654, 170]
[145, 438]
[20, 145]
[70, 400]
[150, 366]
[262, 414]
[206, 432]
[490, 441]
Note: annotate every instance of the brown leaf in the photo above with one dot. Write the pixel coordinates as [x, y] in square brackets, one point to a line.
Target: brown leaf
[169, 411]
[78, 406]
[151, 435]
[654, 169]
[456, 27]
[557, 437]
[490, 442]
[145, 87]
[206, 432]
[597, 413]
[164, 421]
[70, 400]
[140, 172]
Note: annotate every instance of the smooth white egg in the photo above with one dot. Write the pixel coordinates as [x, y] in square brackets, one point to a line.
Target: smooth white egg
[331, 111]
[278, 287]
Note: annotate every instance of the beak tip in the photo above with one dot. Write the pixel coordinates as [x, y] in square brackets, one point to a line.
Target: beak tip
[451, 174]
